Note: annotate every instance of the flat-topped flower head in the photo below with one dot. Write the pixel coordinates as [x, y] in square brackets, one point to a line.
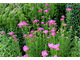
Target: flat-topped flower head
[25, 48]
[15, 38]
[26, 55]
[64, 24]
[22, 23]
[11, 33]
[63, 16]
[42, 16]
[40, 28]
[46, 4]
[69, 9]
[49, 9]
[32, 31]
[24, 35]
[39, 11]
[3, 32]
[48, 37]
[45, 31]
[31, 35]
[56, 47]
[46, 11]
[50, 45]
[42, 22]
[55, 56]
[61, 19]
[53, 34]
[44, 53]
[35, 21]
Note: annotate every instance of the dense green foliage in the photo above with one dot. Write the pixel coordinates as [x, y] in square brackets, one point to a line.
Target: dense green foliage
[68, 39]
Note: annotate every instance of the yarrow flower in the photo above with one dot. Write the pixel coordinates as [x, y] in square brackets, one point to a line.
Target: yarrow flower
[11, 33]
[64, 24]
[51, 45]
[3, 32]
[25, 48]
[31, 35]
[63, 16]
[46, 4]
[61, 19]
[35, 21]
[42, 16]
[40, 28]
[49, 9]
[55, 47]
[39, 11]
[42, 22]
[53, 34]
[44, 53]
[32, 31]
[46, 31]
[14, 36]
[48, 37]
[46, 11]
[55, 56]
[26, 55]
[51, 22]
[69, 9]
[22, 23]
[24, 35]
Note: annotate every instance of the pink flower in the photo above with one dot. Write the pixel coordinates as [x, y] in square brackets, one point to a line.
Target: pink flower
[25, 48]
[69, 9]
[35, 21]
[39, 11]
[42, 22]
[44, 53]
[31, 35]
[11, 33]
[63, 16]
[46, 11]
[53, 34]
[42, 16]
[55, 56]
[61, 28]
[61, 19]
[50, 45]
[46, 31]
[3, 32]
[64, 24]
[46, 4]
[26, 55]
[51, 22]
[56, 46]
[40, 28]
[22, 23]
[24, 35]
[32, 31]
[48, 37]
[53, 30]
[15, 38]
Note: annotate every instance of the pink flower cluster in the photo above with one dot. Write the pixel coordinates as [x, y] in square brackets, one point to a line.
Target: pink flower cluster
[22, 23]
[35, 21]
[69, 9]
[51, 22]
[45, 31]
[25, 48]
[44, 53]
[51, 45]
[53, 31]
